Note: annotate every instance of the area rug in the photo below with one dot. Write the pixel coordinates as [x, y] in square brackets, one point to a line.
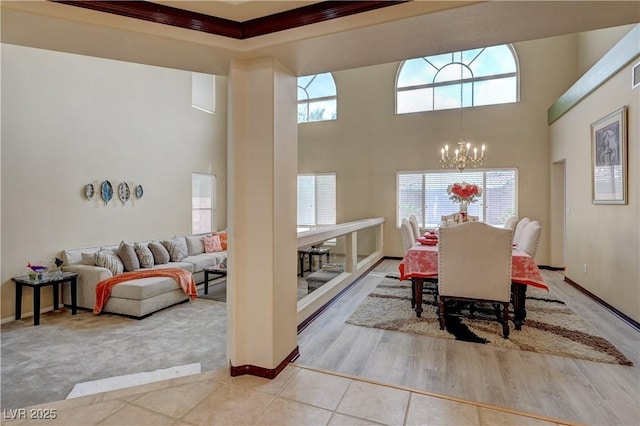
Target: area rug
[217, 291]
[551, 327]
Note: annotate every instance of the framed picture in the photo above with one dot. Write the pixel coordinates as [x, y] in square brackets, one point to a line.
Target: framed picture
[609, 158]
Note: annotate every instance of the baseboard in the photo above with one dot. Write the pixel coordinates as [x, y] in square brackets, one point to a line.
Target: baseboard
[551, 268]
[25, 315]
[267, 373]
[633, 323]
[304, 324]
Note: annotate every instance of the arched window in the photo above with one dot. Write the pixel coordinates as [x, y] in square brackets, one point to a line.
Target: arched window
[484, 76]
[317, 98]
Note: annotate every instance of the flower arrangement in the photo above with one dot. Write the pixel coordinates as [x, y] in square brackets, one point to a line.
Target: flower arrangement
[464, 192]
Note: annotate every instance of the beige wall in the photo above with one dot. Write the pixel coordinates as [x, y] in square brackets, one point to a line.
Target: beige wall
[369, 143]
[592, 45]
[606, 238]
[70, 120]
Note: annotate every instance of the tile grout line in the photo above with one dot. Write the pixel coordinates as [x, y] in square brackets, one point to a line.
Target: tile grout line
[449, 398]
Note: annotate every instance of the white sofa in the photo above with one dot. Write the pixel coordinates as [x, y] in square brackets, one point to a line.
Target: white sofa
[137, 298]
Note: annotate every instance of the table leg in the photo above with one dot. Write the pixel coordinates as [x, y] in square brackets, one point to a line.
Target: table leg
[18, 300]
[206, 282]
[36, 305]
[417, 295]
[74, 295]
[301, 261]
[320, 260]
[56, 296]
[519, 292]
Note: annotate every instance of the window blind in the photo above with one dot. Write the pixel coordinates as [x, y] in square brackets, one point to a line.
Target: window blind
[424, 194]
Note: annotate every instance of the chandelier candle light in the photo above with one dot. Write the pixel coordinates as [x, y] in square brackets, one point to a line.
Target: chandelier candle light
[462, 158]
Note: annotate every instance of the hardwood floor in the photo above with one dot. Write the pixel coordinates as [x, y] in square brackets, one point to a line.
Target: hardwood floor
[580, 391]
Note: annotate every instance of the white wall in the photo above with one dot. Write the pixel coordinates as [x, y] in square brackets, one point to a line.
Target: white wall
[70, 120]
[606, 238]
[369, 143]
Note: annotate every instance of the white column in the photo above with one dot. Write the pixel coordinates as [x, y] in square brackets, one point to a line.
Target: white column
[262, 170]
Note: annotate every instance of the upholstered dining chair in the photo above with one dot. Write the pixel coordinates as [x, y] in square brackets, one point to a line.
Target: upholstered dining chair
[511, 223]
[413, 220]
[519, 228]
[408, 239]
[474, 265]
[530, 238]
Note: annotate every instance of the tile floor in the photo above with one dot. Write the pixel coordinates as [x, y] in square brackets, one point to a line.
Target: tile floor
[298, 396]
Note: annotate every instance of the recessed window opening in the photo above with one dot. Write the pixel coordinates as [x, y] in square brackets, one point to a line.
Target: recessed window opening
[317, 98]
[203, 203]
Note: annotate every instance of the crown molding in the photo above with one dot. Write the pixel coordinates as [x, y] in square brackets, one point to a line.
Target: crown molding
[162, 14]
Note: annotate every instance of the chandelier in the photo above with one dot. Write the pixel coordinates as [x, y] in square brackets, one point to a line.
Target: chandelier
[463, 156]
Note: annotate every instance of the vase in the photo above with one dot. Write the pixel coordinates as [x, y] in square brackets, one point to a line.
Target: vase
[463, 210]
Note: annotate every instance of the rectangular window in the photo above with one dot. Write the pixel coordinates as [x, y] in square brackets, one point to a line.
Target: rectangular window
[316, 200]
[203, 202]
[424, 194]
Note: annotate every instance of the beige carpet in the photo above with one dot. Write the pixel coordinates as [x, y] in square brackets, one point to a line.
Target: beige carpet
[551, 327]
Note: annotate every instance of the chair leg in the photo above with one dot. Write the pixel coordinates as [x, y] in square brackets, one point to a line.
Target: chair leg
[441, 314]
[505, 321]
[413, 294]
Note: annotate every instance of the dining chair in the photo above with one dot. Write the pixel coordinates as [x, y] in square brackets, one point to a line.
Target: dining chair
[474, 265]
[530, 238]
[408, 239]
[511, 223]
[413, 220]
[519, 228]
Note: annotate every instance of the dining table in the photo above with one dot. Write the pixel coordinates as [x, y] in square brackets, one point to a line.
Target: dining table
[420, 263]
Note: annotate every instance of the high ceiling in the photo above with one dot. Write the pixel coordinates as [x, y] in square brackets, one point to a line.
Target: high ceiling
[393, 33]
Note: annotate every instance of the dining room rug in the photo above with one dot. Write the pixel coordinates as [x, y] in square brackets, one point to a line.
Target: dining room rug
[551, 326]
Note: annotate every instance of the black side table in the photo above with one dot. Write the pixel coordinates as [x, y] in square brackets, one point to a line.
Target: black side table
[219, 270]
[310, 252]
[36, 285]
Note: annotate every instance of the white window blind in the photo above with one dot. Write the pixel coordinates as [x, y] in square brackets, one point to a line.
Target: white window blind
[203, 203]
[424, 194]
[317, 199]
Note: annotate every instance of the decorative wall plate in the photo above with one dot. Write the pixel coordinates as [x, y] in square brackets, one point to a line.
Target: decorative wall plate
[123, 192]
[89, 191]
[106, 191]
[139, 191]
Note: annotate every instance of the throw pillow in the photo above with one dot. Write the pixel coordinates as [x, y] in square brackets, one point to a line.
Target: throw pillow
[128, 256]
[223, 238]
[89, 258]
[194, 245]
[144, 255]
[212, 244]
[177, 248]
[160, 253]
[107, 259]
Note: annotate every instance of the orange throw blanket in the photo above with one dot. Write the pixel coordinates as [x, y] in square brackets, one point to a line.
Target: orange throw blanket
[182, 277]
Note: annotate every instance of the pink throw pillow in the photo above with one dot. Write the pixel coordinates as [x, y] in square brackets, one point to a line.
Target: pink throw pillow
[212, 244]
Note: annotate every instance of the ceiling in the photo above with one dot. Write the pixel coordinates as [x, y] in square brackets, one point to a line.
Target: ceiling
[401, 31]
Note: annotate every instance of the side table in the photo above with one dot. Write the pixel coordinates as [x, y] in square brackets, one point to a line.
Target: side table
[36, 285]
[219, 270]
[310, 252]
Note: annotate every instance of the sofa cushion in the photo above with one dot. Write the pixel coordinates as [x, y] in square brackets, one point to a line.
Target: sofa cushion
[89, 258]
[177, 248]
[201, 261]
[108, 259]
[144, 288]
[223, 238]
[128, 256]
[182, 265]
[212, 244]
[160, 253]
[145, 257]
[194, 245]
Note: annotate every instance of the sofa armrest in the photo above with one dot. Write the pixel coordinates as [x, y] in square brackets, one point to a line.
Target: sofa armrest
[88, 279]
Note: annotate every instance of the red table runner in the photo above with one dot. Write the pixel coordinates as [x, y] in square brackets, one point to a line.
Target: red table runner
[421, 261]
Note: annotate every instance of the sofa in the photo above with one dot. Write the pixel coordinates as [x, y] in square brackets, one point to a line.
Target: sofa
[141, 297]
